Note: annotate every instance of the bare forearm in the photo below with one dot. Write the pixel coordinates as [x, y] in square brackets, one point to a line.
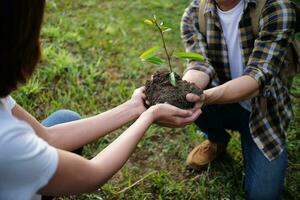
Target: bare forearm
[75, 174]
[72, 135]
[116, 154]
[94, 173]
[242, 88]
[199, 78]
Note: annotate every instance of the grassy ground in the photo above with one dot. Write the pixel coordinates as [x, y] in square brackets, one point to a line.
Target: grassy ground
[91, 64]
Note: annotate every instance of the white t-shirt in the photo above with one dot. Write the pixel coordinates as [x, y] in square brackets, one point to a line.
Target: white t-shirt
[230, 25]
[27, 162]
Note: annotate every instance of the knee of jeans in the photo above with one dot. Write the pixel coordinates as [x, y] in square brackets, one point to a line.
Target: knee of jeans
[256, 193]
[67, 115]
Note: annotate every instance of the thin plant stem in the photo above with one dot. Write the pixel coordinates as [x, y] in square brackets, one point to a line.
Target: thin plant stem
[137, 182]
[164, 44]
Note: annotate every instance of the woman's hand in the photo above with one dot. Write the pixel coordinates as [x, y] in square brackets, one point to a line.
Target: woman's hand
[137, 100]
[171, 116]
[181, 118]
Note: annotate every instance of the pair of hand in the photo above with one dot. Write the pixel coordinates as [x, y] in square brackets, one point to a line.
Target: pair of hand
[166, 114]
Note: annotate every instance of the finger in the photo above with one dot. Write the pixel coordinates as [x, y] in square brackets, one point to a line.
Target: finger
[143, 96]
[197, 105]
[192, 118]
[171, 122]
[178, 111]
[192, 97]
[180, 122]
[203, 97]
[182, 113]
[142, 89]
[194, 109]
[174, 111]
[196, 114]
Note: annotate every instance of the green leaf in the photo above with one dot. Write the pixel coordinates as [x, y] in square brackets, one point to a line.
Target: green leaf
[149, 53]
[189, 55]
[167, 30]
[165, 27]
[297, 36]
[154, 60]
[173, 79]
[148, 21]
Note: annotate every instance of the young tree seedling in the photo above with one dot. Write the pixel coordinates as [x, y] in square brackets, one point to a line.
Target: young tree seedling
[149, 55]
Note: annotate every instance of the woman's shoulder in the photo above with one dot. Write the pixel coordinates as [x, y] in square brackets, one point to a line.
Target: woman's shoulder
[13, 133]
[11, 130]
[10, 124]
[27, 162]
[20, 144]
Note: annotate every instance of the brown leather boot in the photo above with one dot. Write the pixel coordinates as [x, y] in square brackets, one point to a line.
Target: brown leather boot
[204, 153]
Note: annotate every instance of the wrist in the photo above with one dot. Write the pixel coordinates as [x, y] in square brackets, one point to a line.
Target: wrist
[132, 107]
[214, 95]
[208, 97]
[149, 114]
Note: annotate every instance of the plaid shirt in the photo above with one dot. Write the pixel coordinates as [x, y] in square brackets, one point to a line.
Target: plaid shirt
[263, 58]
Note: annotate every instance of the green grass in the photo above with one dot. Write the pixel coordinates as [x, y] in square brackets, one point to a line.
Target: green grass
[90, 64]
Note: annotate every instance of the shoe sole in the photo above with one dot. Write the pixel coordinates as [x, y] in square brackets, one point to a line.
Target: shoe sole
[198, 168]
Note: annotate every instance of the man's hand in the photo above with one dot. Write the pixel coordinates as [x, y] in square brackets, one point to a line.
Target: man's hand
[198, 100]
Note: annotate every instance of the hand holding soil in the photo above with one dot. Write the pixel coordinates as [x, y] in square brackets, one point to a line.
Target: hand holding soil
[138, 100]
[160, 90]
[197, 100]
[168, 87]
[171, 116]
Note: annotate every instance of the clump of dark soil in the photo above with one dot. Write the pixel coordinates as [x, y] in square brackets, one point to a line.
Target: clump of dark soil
[160, 90]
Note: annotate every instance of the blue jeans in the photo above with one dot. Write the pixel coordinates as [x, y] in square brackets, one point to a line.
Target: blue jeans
[59, 117]
[264, 179]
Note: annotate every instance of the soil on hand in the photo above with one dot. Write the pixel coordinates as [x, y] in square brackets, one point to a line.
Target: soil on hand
[160, 90]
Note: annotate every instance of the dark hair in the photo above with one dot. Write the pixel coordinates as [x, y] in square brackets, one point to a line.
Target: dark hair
[20, 24]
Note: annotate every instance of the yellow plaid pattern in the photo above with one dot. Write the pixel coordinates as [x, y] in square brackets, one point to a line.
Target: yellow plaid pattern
[263, 59]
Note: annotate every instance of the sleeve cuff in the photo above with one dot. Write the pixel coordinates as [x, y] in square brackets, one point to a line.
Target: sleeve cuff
[10, 102]
[256, 74]
[201, 66]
